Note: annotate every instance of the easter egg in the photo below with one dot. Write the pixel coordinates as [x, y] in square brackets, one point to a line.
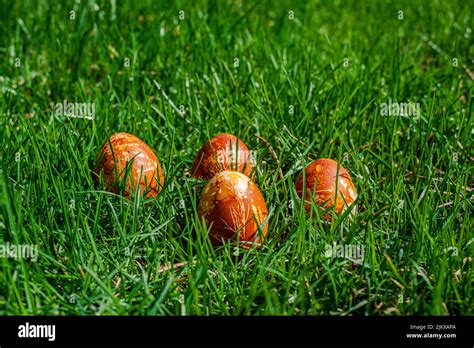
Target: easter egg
[234, 209]
[222, 152]
[125, 162]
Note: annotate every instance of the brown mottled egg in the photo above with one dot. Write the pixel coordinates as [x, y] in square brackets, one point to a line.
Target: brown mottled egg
[234, 209]
[321, 180]
[125, 153]
[223, 152]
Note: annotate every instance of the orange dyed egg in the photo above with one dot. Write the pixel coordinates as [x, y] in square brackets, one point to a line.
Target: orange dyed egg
[223, 152]
[126, 156]
[234, 209]
[326, 186]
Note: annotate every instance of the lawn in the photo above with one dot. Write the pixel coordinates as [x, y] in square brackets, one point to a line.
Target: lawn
[383, 87]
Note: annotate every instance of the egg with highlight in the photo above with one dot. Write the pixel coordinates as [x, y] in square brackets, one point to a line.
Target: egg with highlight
[223, 152]
[327, 186]
[125, 163]
[234, 209]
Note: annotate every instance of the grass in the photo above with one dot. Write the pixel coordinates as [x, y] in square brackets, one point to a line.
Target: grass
[312, 86]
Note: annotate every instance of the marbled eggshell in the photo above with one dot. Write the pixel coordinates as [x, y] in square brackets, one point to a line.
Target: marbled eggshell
[321, 180]
[234, 209]
[222, 152]
[120, 150]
